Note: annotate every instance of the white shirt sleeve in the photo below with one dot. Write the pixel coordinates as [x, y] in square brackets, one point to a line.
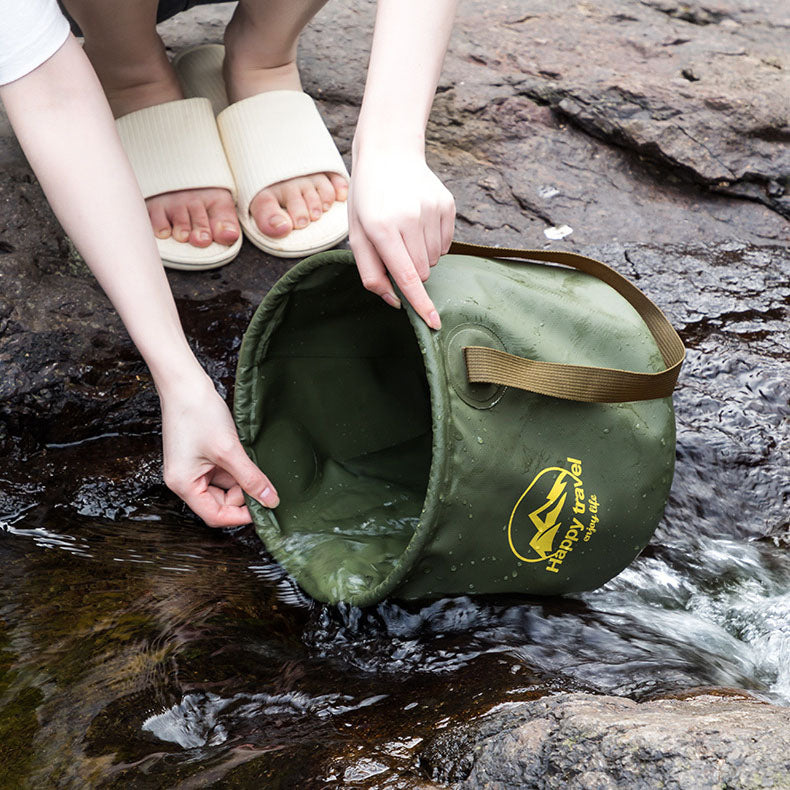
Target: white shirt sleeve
[31, 31]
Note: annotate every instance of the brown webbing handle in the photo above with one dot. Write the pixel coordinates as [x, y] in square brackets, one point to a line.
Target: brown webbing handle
[578, 382]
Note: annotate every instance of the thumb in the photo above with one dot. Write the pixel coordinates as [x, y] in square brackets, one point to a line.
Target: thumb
[249, 477]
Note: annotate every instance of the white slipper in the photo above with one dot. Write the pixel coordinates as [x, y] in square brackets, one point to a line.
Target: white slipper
[176, 146]
[199, 70]
[268, 138]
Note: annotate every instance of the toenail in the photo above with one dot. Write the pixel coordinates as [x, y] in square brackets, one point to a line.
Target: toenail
[162, 234]
[327, 206]
[278, 221]
[315, 214]
[204, 236]
[301, 222]
[182, 235]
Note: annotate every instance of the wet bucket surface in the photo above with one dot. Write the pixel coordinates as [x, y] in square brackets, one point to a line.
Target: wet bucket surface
[399, 478]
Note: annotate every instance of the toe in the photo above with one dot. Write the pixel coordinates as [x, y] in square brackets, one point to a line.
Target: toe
[340, 184]
[159, 220]
[325, 189]
[223, 221]
[180, 222]
[269, 215]
[200, 232]
[312, 200]
[293, 200]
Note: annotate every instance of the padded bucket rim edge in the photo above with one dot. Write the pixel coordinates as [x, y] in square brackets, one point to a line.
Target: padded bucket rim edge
[264, 521]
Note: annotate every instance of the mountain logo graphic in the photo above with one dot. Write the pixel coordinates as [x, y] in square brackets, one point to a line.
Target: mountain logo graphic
[541, 512]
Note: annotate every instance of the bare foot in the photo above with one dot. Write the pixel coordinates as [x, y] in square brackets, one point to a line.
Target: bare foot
[197, 216]
[291, 204]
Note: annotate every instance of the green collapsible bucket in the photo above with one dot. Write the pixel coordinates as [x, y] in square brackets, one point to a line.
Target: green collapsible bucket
[527, 446]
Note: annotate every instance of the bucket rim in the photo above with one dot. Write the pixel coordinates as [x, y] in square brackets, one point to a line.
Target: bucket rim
[256, 338]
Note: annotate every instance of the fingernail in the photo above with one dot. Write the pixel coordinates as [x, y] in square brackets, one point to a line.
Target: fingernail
[392, 300]
[268, 497]
[433, 320]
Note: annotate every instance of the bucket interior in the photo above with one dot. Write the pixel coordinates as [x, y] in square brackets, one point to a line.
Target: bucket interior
[343, 412]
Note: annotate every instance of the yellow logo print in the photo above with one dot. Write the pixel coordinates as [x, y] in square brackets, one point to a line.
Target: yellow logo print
[547, 526]
[557, 500]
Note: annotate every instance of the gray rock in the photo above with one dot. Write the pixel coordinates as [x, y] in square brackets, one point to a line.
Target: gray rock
[588, 742]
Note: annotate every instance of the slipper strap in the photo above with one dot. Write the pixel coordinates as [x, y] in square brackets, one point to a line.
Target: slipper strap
[275, 136]
[175, 146]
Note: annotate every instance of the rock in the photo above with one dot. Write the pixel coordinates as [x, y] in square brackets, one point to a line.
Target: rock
[521, 83]
[584, 741]
[703, 89]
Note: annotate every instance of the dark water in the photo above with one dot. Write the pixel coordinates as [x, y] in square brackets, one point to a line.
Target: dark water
[139, 649]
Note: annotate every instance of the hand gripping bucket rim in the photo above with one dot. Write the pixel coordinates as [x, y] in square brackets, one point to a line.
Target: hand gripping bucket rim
[426, 562]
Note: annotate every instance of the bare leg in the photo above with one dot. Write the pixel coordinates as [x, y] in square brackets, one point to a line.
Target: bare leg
[261, 41]
[130, 60]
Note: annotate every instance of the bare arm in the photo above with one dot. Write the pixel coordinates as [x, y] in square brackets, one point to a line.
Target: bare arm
[65, 127]
[401, 215]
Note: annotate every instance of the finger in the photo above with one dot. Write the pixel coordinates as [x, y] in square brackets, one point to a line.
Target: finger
[400, 265]
[414, 242]
[236, 462]
[215, 513]
[371, 269]
[233, 496]
[222, 479]
[448, 225]
[433, 238]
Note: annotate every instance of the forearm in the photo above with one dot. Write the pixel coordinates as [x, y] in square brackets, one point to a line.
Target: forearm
[66, 130]
[409, 44]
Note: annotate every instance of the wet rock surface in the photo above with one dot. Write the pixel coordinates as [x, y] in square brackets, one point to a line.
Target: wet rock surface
[582, 741]
[657, 132]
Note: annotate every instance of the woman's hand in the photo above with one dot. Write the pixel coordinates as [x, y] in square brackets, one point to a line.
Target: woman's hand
[204, 461]
[401, 220]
